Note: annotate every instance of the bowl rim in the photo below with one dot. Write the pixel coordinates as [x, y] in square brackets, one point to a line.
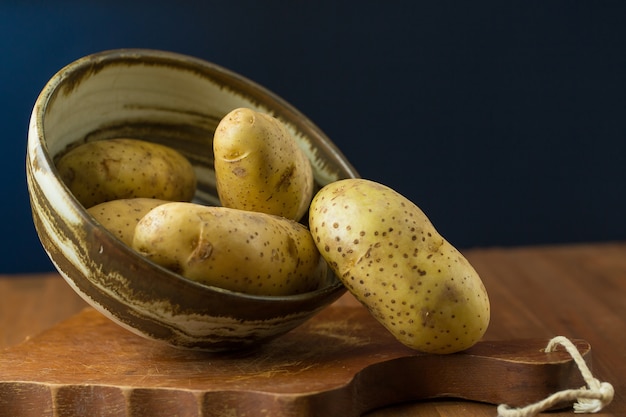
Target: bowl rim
[70, 75]
[254, 91]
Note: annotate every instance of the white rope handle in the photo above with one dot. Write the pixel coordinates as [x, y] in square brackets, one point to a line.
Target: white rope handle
[590, 399]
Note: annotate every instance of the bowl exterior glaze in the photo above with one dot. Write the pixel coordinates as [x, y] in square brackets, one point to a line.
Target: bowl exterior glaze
[176, 100]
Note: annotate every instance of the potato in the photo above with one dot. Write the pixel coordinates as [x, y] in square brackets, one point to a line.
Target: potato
[121, 216]
[259, 166]
[115, 169]
[389, 255]
[248, 252]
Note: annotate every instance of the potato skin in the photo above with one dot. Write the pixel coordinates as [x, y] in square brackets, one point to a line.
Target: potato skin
[390, 257]
[259, 166]
[121, 168]
[121, 216]
[248, 252]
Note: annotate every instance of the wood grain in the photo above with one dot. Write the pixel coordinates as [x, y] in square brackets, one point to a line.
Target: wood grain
[578, 291]
[30, 304]
[341, 363]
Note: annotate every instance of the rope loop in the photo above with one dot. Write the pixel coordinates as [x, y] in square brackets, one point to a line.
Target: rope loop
[590, 399]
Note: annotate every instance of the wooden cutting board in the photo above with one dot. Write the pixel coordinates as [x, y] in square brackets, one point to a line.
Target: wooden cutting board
[340, 363]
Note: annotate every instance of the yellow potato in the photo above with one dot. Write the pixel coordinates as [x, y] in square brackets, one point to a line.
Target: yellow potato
[244, 251]
[115, 169]
[121, 216]
[259, 166]
[389, 255]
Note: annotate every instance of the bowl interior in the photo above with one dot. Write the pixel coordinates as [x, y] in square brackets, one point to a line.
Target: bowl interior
[171, 99]
[178, 101]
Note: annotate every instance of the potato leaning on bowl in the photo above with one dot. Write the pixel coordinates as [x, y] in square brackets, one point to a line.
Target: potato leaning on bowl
[178, 101]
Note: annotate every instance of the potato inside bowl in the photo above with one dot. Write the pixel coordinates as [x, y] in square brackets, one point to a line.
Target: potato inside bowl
[178, 101]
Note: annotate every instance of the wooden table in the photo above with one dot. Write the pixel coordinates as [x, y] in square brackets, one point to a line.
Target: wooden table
[577, 291]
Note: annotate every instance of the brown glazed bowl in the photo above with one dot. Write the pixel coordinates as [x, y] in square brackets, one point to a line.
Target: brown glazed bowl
[176, 100]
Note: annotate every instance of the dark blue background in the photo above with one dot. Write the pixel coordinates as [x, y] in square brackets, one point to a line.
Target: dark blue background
[504, 121]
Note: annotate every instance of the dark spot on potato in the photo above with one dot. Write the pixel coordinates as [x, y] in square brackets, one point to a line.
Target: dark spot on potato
[201, 252]
[286, 178]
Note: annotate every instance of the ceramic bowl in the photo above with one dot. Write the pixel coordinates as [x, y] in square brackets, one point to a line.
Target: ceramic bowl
[176, 100]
